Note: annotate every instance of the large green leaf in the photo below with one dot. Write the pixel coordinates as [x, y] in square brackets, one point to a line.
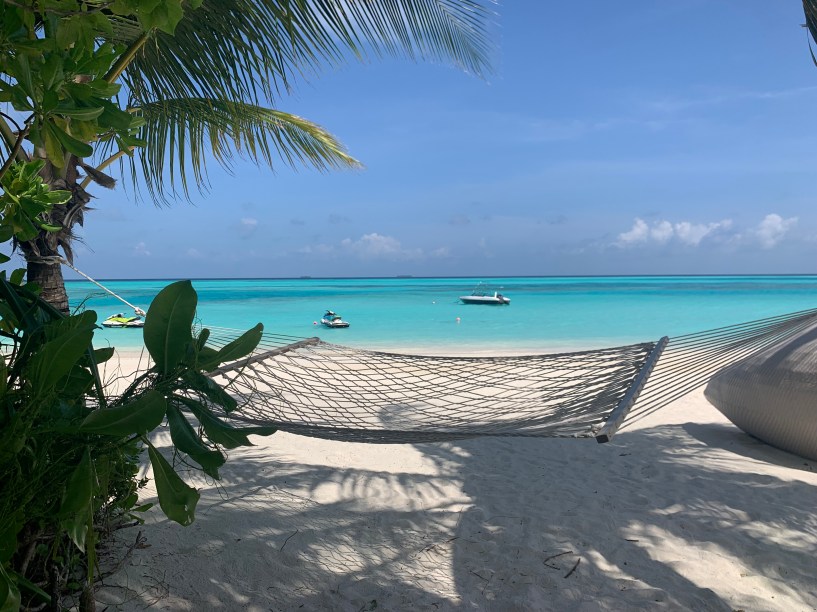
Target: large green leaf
[205, 385]
[17, 276]
[9, 594]
[169, 324]
[222, 433]
[8, 536]
[177, 499]
[81, 113]
[26, 585]
[207, 358]
[238, 348]
[185, 439]
[71, 144]
[78, 382]
[53, 148]
[4, 380]
[104, 354]
[77, 505]
[56, 357]
[138, 417]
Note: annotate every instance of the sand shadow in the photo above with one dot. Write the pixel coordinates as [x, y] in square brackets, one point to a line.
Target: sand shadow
[317, 555]
[735, 440]
[763, 522]
[537, 524]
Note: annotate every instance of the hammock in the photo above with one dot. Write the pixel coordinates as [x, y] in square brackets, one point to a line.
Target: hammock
[309, 387]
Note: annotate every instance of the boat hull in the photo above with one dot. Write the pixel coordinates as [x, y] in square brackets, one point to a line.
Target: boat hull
[487, 300]
[772, 395]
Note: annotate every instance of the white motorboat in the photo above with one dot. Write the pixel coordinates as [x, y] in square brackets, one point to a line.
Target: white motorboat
[333, 319]
[482, 295]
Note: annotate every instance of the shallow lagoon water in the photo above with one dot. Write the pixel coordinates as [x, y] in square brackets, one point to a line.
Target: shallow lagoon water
[545, 314]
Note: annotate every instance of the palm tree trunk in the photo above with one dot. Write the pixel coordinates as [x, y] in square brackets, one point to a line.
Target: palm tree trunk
[48, 276]
[43, 259]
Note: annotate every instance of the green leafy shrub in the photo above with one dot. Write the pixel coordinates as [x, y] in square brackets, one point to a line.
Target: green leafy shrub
[69, 451]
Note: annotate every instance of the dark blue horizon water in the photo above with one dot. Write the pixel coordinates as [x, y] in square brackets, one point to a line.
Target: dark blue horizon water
[546, 313]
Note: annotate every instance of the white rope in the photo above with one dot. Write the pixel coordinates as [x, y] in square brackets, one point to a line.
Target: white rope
[136, 309]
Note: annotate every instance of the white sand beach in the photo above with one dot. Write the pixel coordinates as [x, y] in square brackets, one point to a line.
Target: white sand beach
[680, 511]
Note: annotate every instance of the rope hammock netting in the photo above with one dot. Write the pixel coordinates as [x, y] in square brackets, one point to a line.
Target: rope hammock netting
[314, 388]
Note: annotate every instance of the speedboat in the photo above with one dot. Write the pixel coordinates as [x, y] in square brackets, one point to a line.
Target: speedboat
[333, 319]
[122, 320]
[482, 295]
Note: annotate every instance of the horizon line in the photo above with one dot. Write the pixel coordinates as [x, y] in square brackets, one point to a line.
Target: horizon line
[411, 277]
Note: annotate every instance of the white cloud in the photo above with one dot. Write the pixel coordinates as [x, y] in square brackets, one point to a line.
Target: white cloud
[640, 232]
[661, 232]
[377, 246]
[194, 254]
[693, 233]
[772, 229]
[372, 246]
[248, 226]
[768, 233]
[141, 250]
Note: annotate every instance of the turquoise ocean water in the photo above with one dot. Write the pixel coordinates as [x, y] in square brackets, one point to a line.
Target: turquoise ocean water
[549, 313]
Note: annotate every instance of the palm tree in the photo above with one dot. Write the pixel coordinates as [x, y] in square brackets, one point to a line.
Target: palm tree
[810, 10]
[196, 82]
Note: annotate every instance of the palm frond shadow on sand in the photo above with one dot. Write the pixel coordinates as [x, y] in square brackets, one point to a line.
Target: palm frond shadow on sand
[507, 524]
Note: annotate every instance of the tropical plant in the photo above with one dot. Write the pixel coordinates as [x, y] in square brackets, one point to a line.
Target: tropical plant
[810, 11]
[163, 86]
[68, 450]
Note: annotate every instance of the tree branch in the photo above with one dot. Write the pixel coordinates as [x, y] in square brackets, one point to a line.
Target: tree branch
[15, 150]
[119, 67]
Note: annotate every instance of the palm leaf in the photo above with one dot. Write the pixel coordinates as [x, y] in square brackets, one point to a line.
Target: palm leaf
[810, 10]
[180, 133]
[234, 49]
[236, 55]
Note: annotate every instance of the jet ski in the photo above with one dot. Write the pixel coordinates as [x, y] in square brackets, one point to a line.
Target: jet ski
[122, 320]
[333, 319]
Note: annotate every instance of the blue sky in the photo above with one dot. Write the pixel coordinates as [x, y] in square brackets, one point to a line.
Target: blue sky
[639, 137]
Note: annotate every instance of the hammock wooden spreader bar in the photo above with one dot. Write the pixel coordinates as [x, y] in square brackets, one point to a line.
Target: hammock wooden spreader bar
[620, 412]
